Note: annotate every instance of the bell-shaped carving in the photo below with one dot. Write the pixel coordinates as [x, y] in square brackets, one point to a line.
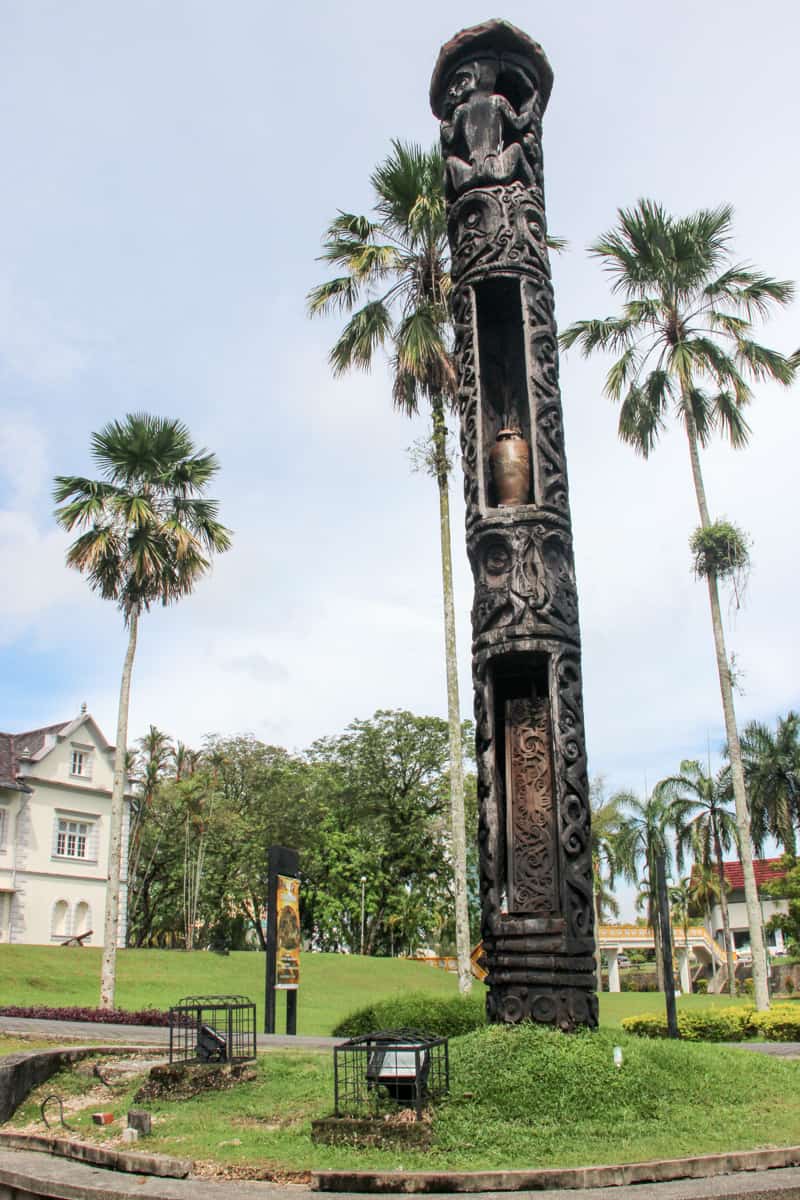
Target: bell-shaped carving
[510, 465]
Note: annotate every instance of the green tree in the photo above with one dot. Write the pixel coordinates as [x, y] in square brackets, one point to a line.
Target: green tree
[684, 341]
[148, 535]
[772, 771]
[396, 285]
[787, 889]
[643, 839]
[385, 818]
[705, 825]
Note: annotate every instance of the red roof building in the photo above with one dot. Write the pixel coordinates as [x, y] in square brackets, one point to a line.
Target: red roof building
[766, 870]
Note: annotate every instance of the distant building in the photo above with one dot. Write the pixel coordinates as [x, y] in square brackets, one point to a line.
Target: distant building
[55, 810]
[766, 871]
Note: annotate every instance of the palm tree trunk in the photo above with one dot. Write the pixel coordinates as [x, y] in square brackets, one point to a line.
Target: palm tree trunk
[598, 959]
[453, 706]
[108, 970]
[761, 994]
[726, 923]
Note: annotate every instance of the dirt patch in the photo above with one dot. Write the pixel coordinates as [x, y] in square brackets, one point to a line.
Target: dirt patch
[263, 1174]
[183, 1081]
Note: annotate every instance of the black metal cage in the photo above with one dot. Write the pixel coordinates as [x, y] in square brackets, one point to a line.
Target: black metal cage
[212, 1029]
[396, 1068]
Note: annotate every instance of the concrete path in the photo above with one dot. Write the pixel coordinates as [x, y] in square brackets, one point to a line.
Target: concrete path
[142, 1035]
[39, 1175]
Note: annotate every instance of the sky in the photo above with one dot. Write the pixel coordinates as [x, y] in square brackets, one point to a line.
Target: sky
[169, 170]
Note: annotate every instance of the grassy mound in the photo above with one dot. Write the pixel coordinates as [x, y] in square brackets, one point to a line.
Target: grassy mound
[537, 1097]
[442, 1016]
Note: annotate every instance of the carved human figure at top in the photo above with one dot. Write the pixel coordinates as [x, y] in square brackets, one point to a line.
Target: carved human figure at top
[474, 131]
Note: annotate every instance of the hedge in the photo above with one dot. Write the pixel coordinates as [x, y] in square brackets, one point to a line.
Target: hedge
[735, 1024]
[105, 1016]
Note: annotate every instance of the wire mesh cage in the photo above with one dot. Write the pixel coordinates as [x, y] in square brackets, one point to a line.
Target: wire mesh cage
[212, 1029]
[393, 1069]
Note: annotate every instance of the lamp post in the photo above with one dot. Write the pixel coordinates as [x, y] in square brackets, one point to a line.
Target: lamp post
[363, 886]
[666, 944]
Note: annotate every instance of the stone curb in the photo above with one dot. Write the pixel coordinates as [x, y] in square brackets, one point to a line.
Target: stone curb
[702, 1166]
[132, 1162]
[21, 1073]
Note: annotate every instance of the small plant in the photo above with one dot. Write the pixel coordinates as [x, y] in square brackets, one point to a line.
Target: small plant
[701, 987]
[788, 985]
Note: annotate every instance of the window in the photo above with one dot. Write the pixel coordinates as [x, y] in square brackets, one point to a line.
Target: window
[3, 826]
[72, 838]
[81, 764]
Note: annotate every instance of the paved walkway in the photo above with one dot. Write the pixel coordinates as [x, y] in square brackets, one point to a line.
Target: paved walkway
[142, 1035]
[41, 1175]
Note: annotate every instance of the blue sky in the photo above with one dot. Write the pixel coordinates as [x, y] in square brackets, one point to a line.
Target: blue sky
[169, 170]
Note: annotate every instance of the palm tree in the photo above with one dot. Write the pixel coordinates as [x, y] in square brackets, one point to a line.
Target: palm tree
[705, 891]
[396, 286]
[706, 825]
[685, 341]
[148, 536]
[772, 771]
[642, 841]
[606, 819]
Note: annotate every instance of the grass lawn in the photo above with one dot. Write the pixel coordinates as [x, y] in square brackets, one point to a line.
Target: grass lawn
[332, 985]
[519, 1098]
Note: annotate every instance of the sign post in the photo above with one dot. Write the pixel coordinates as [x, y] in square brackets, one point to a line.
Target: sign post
[283, 936]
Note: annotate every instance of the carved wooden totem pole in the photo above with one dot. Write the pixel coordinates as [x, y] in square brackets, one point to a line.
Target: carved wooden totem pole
[489, 89]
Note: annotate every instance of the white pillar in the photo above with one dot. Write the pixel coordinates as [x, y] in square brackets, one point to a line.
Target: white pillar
[613, 969]
[684, 974]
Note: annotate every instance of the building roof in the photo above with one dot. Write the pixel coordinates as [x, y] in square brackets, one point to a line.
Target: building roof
[766, 869]
[14, 746]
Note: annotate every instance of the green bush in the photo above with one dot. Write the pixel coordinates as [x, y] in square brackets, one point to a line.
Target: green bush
[780, 1024]
[701, 987]
[442, 1016]
[638, 981]
[707, 1025]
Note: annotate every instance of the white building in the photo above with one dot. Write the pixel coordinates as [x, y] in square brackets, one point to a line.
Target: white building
[55, 809]
[766, 870]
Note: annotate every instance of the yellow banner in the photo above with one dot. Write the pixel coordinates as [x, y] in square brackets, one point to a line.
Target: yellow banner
[287, 961]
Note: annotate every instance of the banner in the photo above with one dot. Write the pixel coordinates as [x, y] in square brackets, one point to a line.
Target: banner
[287, 955]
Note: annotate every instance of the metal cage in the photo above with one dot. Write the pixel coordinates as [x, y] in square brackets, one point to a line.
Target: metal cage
[396, 1068]
[212, 1029]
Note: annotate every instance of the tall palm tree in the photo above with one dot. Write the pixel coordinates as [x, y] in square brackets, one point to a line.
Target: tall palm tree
[684, 340]
[149, 534]
[705, 824]
[395, 286]
[772, 771]
[643, 839]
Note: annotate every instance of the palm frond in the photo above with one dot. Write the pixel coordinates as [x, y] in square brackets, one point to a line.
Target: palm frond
[368, 329]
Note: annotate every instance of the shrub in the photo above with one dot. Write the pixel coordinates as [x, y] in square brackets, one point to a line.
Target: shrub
[707, 1025]
[780, 1024]
[104, 1016]
[701, 987]
[788, 985]
[638, 981]
[441, 1016]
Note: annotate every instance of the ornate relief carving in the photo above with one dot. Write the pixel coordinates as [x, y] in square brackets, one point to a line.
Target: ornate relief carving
[524, 581]
[530, 806]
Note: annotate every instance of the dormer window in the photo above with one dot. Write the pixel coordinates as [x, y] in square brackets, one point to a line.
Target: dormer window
[81, 764]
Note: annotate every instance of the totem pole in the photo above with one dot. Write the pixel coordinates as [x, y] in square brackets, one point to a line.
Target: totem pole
[489, 89]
